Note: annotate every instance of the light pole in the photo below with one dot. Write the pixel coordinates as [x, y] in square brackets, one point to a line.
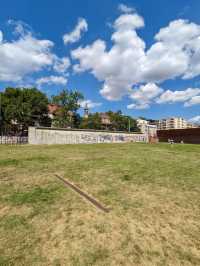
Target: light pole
[129, 125]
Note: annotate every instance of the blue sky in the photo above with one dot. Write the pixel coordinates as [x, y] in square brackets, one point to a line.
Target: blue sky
[138, 56]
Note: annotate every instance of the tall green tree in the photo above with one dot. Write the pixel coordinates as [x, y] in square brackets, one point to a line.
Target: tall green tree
[68, 103]
[23, 107]
[93, 121]
[120, 122]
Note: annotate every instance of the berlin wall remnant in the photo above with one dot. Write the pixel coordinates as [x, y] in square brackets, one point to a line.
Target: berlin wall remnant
[41, 135]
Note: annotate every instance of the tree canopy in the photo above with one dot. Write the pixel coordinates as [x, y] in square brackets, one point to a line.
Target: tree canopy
[118, 122]
[93, 121]
[24, 107]
[68, 103]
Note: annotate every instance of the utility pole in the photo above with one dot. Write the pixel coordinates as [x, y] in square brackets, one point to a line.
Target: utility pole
[129, 125]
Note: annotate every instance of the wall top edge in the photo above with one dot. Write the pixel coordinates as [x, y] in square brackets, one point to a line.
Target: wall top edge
[89, 130]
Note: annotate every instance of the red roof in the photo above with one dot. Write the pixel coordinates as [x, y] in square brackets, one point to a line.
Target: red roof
[52, 108]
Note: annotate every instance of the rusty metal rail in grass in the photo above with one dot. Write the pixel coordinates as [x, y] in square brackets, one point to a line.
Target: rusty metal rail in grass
[93, 201]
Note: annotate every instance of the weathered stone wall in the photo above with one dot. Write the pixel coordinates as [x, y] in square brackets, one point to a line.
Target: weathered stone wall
[63, 136]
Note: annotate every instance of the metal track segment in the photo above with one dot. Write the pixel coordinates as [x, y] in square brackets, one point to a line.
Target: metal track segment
[96, 203]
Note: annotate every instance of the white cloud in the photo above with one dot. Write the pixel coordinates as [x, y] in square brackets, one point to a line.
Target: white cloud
[75, 35]
[23, 56]
[194, 59]
[61, 65]
[163, 62]
[126, 68]
[181, 42]
[52, 80]
[195, 120]
[89, 103]
[150, 93]
[193, 101]
[179, 32]
[125, 9]
[138, 106]
[144, 96]
[127, 64]
[25, 85]
[1, 36]
[128, 22]
[172, 55]
[117, 68]
[20, 27]
[178, 96]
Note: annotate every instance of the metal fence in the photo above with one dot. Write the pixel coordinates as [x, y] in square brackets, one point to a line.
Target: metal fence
[13, 140]
[13, 135]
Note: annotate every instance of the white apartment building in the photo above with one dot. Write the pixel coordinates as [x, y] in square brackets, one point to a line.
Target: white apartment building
[173, 123]
[146, 128]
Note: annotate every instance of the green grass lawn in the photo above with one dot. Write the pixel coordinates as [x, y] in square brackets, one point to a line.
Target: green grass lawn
[153, 192]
